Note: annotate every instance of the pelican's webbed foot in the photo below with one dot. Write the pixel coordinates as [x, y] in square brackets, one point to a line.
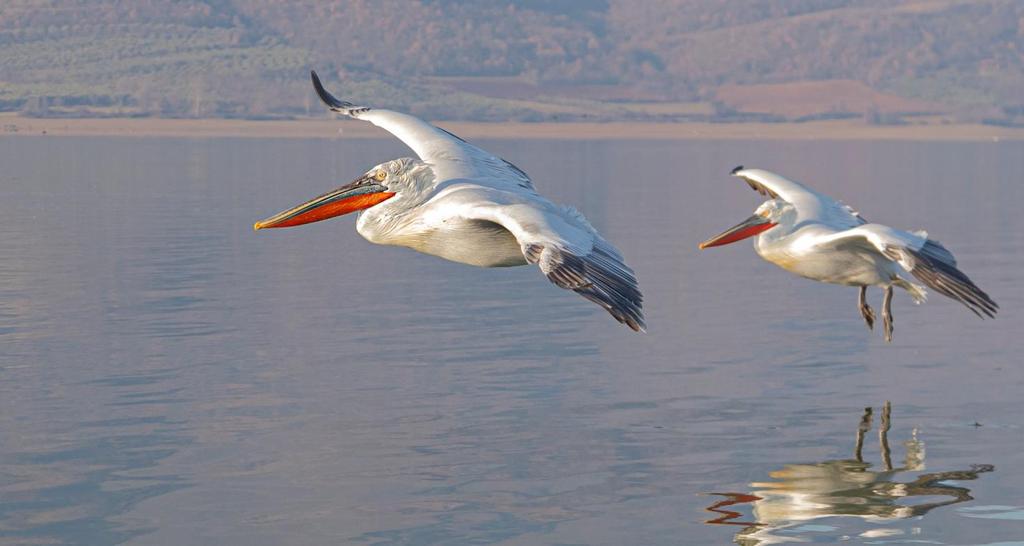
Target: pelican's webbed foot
[865, 310]
[887, 314]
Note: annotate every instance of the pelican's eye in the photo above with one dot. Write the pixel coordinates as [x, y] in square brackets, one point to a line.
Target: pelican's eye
[380, 176]
[765, 213]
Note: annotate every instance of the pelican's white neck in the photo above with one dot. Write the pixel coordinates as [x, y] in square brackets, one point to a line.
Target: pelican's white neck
[413, 184]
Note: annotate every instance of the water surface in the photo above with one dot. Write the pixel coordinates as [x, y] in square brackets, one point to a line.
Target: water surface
[167, 376]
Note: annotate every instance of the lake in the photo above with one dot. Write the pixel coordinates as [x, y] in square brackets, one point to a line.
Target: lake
[168, 376]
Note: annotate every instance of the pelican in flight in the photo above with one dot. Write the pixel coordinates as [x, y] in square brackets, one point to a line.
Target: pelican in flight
[464, 204]
[817, 237]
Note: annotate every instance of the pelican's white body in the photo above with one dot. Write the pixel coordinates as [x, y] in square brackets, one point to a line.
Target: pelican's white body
[821, 239]
[818, 252]
[458, 222]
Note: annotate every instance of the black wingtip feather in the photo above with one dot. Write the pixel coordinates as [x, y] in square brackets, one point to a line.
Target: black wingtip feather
[934, 266]
[330, 100]
[599, 277]
[615, 288]
[737, 169]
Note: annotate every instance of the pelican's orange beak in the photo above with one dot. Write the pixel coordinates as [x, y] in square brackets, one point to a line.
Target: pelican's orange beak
[362, 193]
[747, 228]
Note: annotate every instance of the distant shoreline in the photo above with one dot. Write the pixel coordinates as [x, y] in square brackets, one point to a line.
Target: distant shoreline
[14, 126]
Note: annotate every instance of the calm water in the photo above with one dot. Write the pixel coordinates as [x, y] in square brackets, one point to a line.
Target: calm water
[168, 376]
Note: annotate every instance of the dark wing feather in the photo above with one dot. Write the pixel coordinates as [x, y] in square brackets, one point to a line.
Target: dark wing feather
[754, 184]
[334, 103]
[936, 268]
[760, 188]
[600, 276]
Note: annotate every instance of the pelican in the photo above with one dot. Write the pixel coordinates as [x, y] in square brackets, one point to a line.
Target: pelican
[817, 237]
[463, 204]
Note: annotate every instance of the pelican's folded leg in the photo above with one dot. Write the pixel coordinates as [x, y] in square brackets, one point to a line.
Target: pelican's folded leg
[887, 314]
[865, 310]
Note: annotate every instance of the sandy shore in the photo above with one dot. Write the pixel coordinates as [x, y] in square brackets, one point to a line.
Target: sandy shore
[330, 128]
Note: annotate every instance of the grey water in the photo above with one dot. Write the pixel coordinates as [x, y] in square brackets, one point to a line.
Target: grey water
[168, 376]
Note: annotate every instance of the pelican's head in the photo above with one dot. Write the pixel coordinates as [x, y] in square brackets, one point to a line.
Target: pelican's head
[401, 179]
[768, 215]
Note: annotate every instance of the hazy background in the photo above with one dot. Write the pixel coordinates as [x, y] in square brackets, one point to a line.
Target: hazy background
[911, 61]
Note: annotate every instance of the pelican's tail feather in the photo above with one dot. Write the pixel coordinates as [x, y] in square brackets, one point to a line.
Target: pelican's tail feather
[918, 292]
[936, 268]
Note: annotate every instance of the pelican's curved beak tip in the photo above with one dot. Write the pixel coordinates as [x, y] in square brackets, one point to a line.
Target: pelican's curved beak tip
[256, 226]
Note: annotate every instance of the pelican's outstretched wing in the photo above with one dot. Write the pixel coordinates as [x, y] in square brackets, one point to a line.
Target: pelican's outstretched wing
[450, 156]
[926, 259]
[809, 203]
[569, 252]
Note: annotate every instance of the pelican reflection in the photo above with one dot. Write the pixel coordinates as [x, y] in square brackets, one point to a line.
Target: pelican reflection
[800, 493]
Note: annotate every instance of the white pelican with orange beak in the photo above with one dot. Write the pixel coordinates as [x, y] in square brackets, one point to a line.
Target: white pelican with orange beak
[463, 204]
[817, 237]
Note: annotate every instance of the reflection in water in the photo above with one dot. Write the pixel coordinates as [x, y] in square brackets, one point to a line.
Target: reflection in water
[800, 493]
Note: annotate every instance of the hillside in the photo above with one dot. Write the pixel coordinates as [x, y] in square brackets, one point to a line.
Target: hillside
[531, 60]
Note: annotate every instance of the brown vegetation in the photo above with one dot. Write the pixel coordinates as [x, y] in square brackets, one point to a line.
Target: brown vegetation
[828, 98]
[499, 59]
